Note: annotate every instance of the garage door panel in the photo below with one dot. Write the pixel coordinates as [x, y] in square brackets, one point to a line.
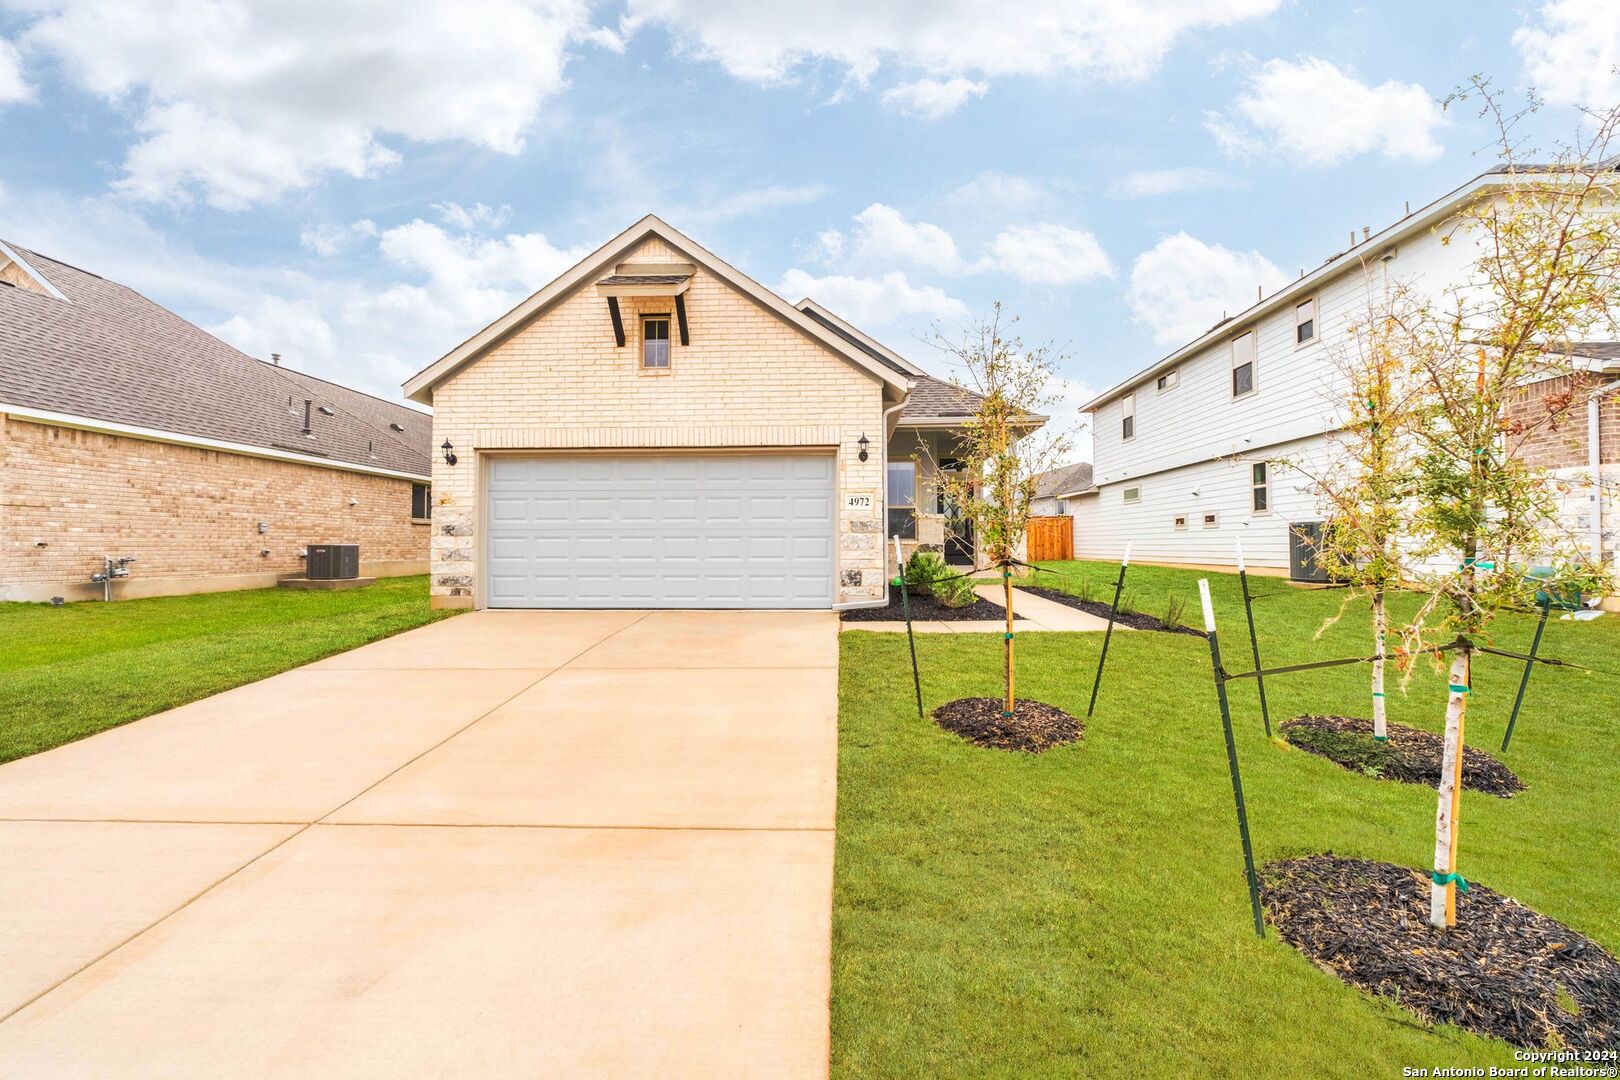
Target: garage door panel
[679, 530]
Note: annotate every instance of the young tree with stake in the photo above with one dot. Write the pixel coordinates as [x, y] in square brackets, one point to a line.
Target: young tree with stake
[1367, 482]
[998, 447]
[1547, 273]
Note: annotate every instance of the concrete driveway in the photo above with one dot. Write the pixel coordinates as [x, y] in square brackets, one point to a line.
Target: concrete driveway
[511, 844]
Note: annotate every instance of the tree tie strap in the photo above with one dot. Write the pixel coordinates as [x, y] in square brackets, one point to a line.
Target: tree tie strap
[1455, 689]
[1451, 879]
[1380, 738]
[1377, 693]
[896, 582]
[1006, 715]
[1006, 637]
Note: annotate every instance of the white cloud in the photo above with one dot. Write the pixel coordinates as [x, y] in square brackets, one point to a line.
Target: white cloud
[1318, 115]
[327, 240]
[999, 192]
[1181, 286]
[884, 233]
[1149, 182]
[244, 100]
[14, 86]
[476, 216]
[829, 246]
[872, 301]
[1045, 253]
[748, 203]
[769, 43]
[1066, 396]
[1048, 254]
[1572, 57]
[933, 99]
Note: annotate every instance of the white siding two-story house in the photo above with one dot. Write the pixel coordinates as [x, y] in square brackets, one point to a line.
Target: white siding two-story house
[1191, 454]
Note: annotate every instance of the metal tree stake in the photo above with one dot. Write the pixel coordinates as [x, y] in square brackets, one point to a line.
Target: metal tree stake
[1524, 680]
[1113, 610]
[905, 606]
[1254, 642]
[1231, 758]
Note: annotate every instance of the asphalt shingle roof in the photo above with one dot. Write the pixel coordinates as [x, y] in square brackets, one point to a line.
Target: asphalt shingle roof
[108, 353]
[936, 397]
[1063, 480]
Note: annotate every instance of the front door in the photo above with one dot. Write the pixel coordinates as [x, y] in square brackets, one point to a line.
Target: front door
[958, 532]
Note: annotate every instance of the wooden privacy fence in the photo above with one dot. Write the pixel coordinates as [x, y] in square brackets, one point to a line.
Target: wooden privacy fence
[1050, 538]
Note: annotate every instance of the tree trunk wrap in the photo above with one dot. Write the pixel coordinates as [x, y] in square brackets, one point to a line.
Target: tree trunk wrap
[1443, 889]
[1380, 631]
[1006, 586]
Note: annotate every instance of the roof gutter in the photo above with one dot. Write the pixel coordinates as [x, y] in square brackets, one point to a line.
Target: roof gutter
[1423, 218]
[132, 431]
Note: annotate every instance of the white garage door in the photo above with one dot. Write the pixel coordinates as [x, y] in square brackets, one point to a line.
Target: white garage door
[667, 531]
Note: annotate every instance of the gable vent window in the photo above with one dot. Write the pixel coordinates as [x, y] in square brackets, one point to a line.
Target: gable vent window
[1211, 521]
[421, 502]
[655, 342]
[1169, 380]
[1127, 425]
[1133, 494]
[1243, 361]
[1305, 321]
[1181, 521]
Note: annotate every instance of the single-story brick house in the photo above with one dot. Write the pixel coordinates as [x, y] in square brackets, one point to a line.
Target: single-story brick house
[1056, 488]
[125, 431]
[655, 429]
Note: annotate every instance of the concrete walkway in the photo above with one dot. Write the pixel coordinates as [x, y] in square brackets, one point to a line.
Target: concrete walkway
[510, 844]
[1034, 613]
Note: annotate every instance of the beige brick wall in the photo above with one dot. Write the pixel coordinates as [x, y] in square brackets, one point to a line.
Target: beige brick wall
[1555, 414]
[747, 379]
[189, 516]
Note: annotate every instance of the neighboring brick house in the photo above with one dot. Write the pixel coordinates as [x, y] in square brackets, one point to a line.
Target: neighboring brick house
[1573, 425]
[655, 429]
[127, 431]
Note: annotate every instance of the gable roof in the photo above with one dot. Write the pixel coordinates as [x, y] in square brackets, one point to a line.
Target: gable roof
[1063, 480]
[93, 350]
[419, 387]
[859, 338]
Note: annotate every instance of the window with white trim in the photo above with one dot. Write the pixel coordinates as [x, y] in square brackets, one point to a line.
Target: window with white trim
[421, 502]
[1127, 423]
[1305, 321]
[1211, 520]
[1132, 494]
[655, 342]
[1181, 521]
[1169, 380]
[1243, 364]
[1259, 488]
[902, 508]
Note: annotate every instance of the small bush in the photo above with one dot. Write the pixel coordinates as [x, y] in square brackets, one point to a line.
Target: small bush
[954, 592]
[925, 567]
[1127, 601]
[1175, 615]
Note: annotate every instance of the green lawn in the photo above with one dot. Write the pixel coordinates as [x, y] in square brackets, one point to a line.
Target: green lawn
[1083, 912]
[72, 671]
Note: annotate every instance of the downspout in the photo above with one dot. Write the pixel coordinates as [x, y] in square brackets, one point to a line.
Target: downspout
[883, 511]
[1594, 435]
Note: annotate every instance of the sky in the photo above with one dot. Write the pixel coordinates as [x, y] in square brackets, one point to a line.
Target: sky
[360, 185]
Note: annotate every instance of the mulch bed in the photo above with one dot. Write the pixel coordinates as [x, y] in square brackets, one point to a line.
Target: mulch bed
[1034, 726]
[1411, 755]
[1503, 970]
[924, 608]
[1136, 620]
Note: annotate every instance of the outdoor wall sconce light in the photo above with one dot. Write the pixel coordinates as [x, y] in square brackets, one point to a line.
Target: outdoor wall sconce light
[864, 442]
[449, 455]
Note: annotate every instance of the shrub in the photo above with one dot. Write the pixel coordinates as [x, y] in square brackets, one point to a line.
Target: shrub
[1175, 615]
[925, 567]
[954, 592]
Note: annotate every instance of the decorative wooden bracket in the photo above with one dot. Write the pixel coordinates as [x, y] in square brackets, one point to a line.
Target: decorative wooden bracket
[618, 321]
[680, 317]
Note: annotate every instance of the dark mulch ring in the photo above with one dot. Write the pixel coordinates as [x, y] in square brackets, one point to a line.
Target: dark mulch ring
[1503, 970]
[924, 608]
[1034, 725]
[1411, 755]
[1136, 620]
